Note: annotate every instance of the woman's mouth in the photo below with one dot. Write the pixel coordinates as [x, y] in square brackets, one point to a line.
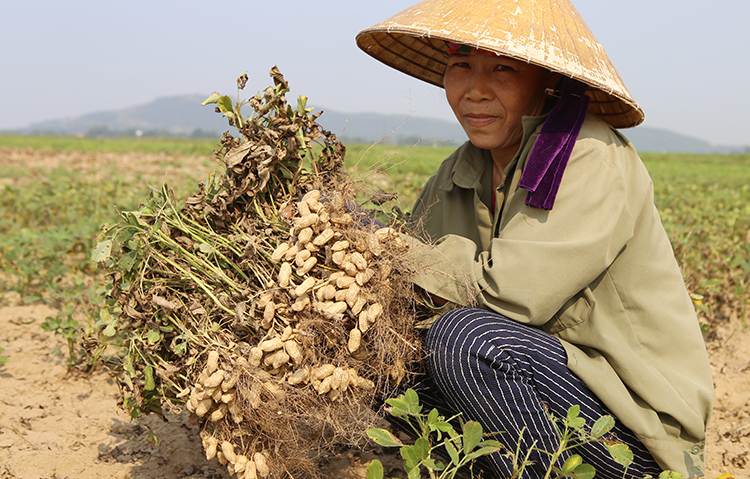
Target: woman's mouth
[478, 121]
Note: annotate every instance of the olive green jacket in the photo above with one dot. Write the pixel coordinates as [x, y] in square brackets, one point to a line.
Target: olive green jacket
[597, 271]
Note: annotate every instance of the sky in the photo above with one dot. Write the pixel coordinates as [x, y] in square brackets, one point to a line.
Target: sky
[686, 62]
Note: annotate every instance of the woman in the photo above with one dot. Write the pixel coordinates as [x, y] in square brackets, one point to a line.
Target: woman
[558, 282]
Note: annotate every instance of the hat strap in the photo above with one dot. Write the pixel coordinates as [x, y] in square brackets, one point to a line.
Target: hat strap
[551, 151]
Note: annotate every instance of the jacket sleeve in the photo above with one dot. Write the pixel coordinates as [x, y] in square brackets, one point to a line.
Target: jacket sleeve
[540, 259]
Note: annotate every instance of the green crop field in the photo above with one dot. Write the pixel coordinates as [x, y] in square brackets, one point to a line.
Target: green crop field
[56, 192]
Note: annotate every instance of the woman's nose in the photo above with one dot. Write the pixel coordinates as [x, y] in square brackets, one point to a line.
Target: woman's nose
[478, 87]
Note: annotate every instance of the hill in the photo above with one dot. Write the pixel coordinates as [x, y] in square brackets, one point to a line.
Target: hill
[184, 116]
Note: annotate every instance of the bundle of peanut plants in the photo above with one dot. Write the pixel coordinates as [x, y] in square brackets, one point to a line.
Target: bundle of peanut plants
[267, 304]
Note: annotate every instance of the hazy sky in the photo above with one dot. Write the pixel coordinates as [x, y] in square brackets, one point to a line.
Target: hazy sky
[687, 62]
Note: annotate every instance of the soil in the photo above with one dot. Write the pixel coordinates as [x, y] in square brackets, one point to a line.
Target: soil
[58, 424]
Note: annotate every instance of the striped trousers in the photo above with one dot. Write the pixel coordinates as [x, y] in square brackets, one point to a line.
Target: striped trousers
[508, 376]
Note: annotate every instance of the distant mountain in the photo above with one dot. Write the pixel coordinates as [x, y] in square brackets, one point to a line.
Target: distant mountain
[372, 127]
[184, 116]
[175, 115]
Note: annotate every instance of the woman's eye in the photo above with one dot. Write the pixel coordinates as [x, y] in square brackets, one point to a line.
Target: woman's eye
[503, 68]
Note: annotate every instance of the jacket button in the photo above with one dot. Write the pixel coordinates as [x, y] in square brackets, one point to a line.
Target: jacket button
[696, 450]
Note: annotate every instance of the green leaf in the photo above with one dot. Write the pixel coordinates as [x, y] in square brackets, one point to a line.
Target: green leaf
[578, 422]
[432, 417]
[602, 426]
[671, 475]
[102, 251]
[399, 407]
[225, 104]
[443, 426]
[127, 365]
[491, 444]
[301, 104]
[375, 470]
[212, 98]
[422, 448]
[414, 474]
[411, 460]
[153, 336]
[383, 437]
[584, 471]
[452, 452]
[620, 453]
[573, 412]
[127, 261]
[149, 373]
[110, 330]
[472, 435]
[412, 401]
[482, 451]
[431, 464]
[571, 463]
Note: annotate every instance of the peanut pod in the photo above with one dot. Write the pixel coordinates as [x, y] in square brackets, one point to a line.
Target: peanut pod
[279, 252]
[212, 363]
[261, 464]
[215, 379]
[355, 339]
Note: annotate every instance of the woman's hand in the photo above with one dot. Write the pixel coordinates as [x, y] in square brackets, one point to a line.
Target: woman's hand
[437, 300]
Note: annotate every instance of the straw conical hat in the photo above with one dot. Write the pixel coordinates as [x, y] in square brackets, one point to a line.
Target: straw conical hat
[547, 33]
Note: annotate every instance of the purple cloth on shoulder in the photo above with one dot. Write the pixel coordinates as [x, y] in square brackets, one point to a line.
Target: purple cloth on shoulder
[551, 151]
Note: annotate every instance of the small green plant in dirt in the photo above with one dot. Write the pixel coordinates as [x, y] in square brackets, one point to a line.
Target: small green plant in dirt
[3, 359]
[461, 448]
[435, 433]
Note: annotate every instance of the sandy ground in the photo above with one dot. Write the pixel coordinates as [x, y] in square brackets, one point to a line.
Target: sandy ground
[56, 425]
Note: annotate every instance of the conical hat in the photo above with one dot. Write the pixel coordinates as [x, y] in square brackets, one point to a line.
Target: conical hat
[547, 33]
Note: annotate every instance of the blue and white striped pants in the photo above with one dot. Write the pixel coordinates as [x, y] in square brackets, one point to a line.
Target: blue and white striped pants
[506, 375]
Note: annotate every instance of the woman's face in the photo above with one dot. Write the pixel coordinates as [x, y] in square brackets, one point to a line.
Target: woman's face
[489, 95]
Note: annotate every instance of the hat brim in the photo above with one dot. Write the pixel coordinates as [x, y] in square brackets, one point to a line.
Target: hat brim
[424, 55]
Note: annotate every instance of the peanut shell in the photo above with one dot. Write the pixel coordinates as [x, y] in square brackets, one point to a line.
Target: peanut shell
[304, 236]
[307, 266]
[340, 245]
[292, 252]
[359, 261]
[285, 274]
[355, 338]
[304, 287]
[212, 363]
[323, 371]
[305, 221]
[215, 379]
[299, 376]
[271, 344]
[324, 237]
[279, 252]
[293, 350]
[301, 257]
[228, 450]
[261, 464]
[250, 470]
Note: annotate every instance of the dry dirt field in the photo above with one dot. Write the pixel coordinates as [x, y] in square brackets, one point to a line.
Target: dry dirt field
[56, 425]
